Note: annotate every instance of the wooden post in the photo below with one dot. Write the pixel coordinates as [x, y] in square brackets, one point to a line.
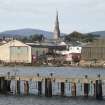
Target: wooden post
[86, 86]
[73, 89]
[94, 89]
[39, 88]
[18, 86]
[99, 90]
[2, 85]
[7, 85]
[86, 89]
[26, 88]
[48, 87]
[62, 88]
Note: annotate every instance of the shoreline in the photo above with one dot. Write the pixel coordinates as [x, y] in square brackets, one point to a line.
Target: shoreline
[43, 65]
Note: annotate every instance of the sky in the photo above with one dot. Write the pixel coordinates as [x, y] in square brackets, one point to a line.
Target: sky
[74, 15]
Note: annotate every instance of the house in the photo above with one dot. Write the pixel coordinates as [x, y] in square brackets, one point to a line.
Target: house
[15, 51]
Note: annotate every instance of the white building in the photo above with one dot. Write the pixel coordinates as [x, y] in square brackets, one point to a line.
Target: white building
[71, 49]
[15, 51]
[73, 53]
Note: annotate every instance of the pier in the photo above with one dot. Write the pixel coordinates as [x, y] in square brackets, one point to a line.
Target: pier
[51, 85]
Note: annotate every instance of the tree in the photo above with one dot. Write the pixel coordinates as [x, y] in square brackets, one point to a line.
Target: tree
[76, 36]
[36, 38]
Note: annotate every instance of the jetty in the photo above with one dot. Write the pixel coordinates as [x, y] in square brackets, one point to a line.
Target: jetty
[49, 86]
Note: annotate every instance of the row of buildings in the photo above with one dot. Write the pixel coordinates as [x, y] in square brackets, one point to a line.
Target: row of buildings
[53, 51]
[16, 51]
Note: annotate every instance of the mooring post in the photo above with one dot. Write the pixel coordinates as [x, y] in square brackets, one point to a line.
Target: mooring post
[18, 86]
[91, 88]
[78, 88]
[39, 88]
[2, 84]
[48, 87]
[86, 86]
[94, 89]
[26, 88]
[5, 87]
[86, 89]
[62, 88]
[8, 83]
[99, 89]
[73, 89]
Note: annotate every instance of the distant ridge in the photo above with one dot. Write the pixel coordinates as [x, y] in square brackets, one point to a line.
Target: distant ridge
[100, 33]
[26, 32]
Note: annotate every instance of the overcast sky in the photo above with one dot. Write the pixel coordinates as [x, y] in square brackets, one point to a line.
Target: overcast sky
[79, 15]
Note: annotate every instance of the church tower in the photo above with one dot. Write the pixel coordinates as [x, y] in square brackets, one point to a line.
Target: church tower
[56, 28]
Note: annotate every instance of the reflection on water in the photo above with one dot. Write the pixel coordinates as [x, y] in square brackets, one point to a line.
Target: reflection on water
[33, 100]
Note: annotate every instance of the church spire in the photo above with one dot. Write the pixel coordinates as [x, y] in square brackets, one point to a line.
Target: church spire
[56, 28]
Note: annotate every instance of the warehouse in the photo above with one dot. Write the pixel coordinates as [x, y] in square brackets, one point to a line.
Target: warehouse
[94, 50]
[15, 51]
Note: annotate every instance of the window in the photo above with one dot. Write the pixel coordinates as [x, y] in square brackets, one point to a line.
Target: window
[77, 48]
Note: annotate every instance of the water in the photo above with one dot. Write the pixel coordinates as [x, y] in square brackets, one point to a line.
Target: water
[62, 71]
[34, 100]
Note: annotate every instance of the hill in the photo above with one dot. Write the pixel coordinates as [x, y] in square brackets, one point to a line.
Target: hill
[100, 33]
[26, 32]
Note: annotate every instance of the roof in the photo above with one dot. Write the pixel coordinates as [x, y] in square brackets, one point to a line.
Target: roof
[14, 43]
[46, 44]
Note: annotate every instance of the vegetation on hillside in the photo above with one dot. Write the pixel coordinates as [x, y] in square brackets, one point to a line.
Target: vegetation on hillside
[76, 36]
[33, 38]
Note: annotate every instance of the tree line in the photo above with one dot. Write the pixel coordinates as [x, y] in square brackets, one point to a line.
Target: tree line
[33, 38]
[76, 36]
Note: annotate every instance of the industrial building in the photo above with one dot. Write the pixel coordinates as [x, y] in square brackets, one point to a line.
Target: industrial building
[94, 50]
[15, 51]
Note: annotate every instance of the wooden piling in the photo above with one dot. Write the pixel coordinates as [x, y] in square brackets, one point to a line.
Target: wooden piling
[7, 85]
[48, 87]
[73, 89]
[39, 88]
[94, 89]
[26, 88]
[86, 89]
[62, 88]
[18, 86]
[2, 84]
[99, 90]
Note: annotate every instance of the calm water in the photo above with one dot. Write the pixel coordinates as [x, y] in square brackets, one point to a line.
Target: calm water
[33, 100]
[65, 71]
